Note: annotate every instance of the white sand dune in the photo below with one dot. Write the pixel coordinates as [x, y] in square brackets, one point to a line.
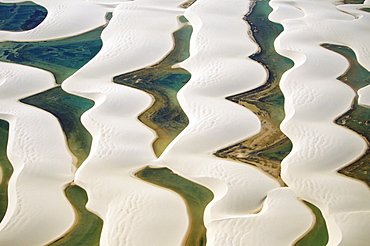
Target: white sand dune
[64, 18]
[137, 213]
[314, 99]
[134, 212]
[276, 224]
[220, 68]
[214, 121]
[38, 210]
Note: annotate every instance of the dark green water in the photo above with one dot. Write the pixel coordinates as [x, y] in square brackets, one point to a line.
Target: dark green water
[168, 120]
[196, 197]
[6, 167]
[353, 1]
[163, 82]
[67, 109]
[266, 101]
[356, 76]
[318, 235]
[358, 117]
[88, 229]
[62, 57]
[21, 16]
[187, 4]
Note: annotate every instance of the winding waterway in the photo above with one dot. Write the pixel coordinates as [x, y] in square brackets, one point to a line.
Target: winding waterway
[195, 196]
[163, 81]
[88, 226]
[269, 147]
[358, 117]
[62, 57]
[6, 167]
[265, 150]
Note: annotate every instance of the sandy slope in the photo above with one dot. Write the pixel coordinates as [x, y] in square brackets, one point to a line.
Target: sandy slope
[37, 211]
[64, 18]
[219, 68]
[314, 98]
[134, 212]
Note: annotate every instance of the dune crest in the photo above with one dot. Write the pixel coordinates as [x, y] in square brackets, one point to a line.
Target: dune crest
[314, 99]
[121, 144]
[247, 207]
[37, 207]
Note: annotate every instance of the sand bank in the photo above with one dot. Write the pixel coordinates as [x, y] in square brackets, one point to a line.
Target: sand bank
[37, 211]
[249, 207]
[276, 224]
[219, 66]
[129, 207]
[314, 99]
[64, 18]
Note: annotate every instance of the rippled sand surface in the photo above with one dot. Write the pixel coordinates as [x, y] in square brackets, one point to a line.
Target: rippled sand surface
[157, 122]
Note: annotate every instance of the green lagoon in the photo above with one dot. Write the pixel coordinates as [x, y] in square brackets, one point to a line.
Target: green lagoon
[88, 228]
[67, 109]
[358, 117]
[266, 149]
[6, 167]
[195, 196]
[61, 57]
[353, 1]
[166, 117]
[187, 4]
[318, 235]
[163, 82]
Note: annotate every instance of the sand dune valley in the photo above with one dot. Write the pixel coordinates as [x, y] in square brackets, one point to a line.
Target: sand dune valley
[184, 123]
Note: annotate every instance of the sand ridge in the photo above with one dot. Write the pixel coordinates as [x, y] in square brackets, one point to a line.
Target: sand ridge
[121, 144]
[314, 98]
[249, 207]
[37, 207]
[64, 18]
[219, 68]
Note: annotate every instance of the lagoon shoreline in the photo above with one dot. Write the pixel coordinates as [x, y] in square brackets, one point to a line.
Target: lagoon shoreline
[249, 206]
